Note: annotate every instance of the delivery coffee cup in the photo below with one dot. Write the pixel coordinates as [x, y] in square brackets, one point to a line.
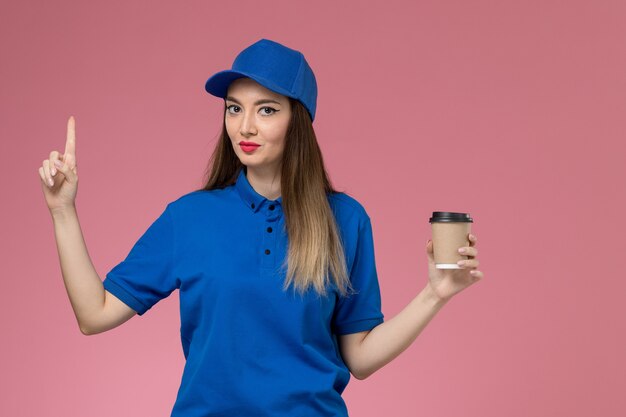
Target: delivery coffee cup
[450, 231]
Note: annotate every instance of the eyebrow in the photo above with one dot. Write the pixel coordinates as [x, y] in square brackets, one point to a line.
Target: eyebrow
[256, 103]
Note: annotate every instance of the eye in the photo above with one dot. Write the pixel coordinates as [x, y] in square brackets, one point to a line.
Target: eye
[264, 110]
[270, 108]
[232, 105]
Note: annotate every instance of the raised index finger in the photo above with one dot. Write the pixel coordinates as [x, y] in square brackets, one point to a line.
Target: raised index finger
[70, 143]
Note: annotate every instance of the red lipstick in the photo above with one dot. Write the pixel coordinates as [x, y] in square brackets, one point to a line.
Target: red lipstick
[248, 146]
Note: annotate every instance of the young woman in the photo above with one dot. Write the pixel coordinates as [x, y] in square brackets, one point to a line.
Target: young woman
[279, 294]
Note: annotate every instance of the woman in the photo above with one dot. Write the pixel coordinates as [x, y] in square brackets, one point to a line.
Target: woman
[279, 295]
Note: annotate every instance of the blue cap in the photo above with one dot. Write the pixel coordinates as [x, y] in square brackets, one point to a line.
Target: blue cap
[274, 66]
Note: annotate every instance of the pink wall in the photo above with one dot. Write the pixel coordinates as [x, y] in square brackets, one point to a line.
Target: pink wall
[511, 111]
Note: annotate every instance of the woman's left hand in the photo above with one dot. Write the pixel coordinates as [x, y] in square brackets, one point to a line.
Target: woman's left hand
[447, 282]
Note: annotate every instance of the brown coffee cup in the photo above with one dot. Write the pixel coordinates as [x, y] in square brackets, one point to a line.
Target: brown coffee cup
[450, 232]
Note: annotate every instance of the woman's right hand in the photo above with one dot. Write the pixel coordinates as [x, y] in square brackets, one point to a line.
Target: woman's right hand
[59, 175]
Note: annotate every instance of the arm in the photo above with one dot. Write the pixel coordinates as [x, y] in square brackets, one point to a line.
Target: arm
[366, 352]
[84, 287]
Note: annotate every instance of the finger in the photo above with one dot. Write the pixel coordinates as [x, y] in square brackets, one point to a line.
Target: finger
[54, 156]
[65, 169]
[46, 171]
[62, 170]
[70, 142]
[472, 239]
[470, 251]
[468, 263]
[70, 169]
[70, 161]
[429, 250]
[477, 274]
[42, 175]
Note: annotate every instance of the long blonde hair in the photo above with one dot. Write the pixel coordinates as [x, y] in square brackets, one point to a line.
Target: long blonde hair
[315, 246]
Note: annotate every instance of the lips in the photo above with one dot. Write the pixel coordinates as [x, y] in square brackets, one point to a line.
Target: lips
[248, 148]
[243, 142]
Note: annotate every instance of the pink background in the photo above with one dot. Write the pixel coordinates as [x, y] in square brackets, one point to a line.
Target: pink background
[511, 111]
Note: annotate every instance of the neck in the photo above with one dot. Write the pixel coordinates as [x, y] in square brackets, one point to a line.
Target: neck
[264, 181]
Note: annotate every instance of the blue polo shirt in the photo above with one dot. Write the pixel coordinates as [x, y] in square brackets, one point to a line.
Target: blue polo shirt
[251, 349]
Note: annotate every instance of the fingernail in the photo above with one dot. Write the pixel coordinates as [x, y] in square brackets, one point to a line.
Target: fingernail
[53, 171]
[58, 163]
[462, 250]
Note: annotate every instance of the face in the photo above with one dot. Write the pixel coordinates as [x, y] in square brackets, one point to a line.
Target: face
[256, 114]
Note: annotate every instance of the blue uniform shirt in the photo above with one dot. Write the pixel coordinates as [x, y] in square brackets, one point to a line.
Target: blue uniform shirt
[251, 349]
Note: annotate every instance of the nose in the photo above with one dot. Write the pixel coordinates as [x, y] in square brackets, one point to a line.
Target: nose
[248, 126]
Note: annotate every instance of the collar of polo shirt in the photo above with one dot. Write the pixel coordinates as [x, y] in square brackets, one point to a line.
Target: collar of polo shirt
[249, 195]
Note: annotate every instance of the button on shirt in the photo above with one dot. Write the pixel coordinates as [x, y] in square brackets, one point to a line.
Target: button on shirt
[251, 349]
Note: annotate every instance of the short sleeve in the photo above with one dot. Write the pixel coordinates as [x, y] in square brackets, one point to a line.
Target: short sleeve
[147, 274]
[360, 311]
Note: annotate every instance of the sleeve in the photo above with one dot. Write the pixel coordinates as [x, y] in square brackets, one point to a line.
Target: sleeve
[360, 311]
[147, 274]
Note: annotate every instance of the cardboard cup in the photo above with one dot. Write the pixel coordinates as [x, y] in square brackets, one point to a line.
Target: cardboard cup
[450, 232]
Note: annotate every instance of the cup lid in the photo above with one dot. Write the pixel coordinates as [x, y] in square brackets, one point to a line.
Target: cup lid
[449, 217]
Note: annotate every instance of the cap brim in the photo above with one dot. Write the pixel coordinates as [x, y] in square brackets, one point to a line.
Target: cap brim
[218, 83]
